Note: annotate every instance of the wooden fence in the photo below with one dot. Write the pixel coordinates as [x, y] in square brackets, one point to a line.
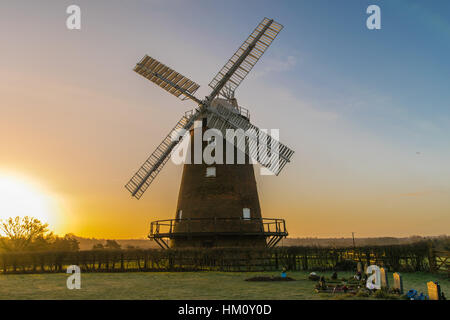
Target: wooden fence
[414, 257]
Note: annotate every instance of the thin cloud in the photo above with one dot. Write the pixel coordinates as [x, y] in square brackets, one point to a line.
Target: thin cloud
[276, 65]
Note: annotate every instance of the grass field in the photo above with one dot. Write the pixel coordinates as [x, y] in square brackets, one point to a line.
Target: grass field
[182, 285]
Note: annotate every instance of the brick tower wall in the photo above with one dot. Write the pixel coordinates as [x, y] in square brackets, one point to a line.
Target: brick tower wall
[223, 196]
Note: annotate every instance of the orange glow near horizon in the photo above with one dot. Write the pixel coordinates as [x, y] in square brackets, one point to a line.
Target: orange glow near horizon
[22, 197]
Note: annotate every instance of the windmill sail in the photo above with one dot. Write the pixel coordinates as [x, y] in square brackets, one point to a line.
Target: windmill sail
[243, 60]
[222, 118]
[167, 78]
[153, 165]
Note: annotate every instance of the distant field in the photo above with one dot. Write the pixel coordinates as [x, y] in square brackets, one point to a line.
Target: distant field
[179, 285]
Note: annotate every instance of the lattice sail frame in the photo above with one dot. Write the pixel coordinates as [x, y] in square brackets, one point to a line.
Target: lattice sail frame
[176, 84]
[222, 118]
[255, 54]
[154, 164]
[224, 83]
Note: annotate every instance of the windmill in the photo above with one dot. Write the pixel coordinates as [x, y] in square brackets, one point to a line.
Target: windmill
[218, 204]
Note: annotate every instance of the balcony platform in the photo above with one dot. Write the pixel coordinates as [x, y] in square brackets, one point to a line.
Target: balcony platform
[162, 231]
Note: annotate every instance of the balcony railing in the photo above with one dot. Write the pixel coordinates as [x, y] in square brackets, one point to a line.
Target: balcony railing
[242, 111]
[173, 228]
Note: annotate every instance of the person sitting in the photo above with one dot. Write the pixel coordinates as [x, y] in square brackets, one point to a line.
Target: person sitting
[322, 283]
[313, 276]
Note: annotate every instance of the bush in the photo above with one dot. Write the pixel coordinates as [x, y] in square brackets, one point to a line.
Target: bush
[218, 259]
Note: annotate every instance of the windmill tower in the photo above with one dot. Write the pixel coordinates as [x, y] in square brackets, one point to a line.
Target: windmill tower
[218, 202]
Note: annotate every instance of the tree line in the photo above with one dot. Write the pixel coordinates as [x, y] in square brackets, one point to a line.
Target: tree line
[28, 234]
[409, 258]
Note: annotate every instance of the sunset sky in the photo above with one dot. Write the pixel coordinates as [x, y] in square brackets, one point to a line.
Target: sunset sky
[366, 111]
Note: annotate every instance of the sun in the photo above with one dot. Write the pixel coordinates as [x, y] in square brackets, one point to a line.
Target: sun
[19, 197]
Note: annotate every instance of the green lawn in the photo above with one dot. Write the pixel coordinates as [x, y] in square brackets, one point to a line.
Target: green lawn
[181, 285]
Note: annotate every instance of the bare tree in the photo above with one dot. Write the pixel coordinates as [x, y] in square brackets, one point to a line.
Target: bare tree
[22, 232]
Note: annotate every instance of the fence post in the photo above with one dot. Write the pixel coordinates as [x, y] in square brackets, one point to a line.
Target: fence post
[431, 257]
[305, 261]
[276, 260]
[146, 260]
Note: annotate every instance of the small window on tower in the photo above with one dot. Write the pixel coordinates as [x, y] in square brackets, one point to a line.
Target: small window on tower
[246, 213]
[210, 172]
[180, 214]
